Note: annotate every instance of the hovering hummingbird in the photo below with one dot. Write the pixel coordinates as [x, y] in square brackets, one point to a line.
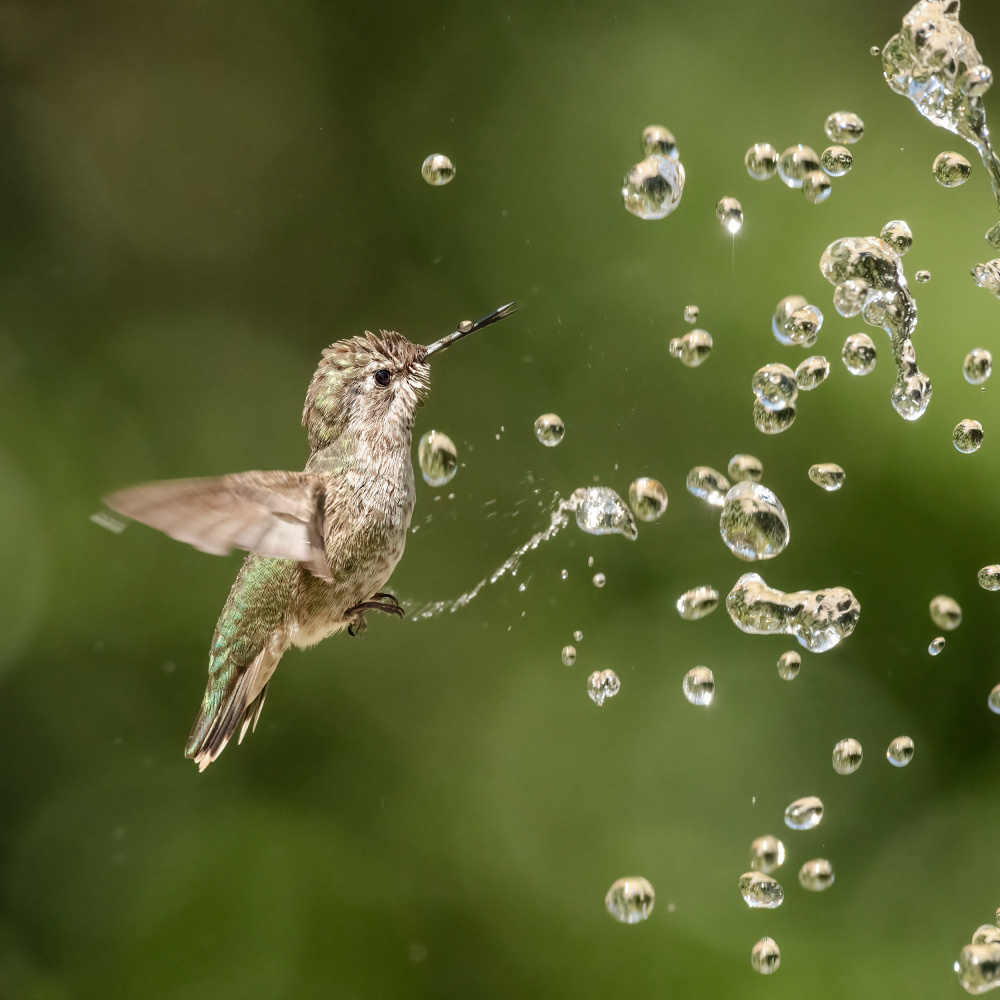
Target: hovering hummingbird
[322, 542]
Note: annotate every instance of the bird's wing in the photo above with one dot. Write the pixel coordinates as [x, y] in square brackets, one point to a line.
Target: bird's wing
[277, 514]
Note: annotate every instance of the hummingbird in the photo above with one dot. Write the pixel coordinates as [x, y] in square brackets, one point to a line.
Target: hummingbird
[322, 543]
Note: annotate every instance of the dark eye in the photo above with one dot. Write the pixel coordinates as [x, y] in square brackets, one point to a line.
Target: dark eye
[383, 376]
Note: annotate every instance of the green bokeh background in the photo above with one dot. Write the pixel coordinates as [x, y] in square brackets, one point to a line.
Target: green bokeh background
[196, 198]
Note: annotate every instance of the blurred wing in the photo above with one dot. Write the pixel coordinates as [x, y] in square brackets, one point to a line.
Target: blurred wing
[277, 514]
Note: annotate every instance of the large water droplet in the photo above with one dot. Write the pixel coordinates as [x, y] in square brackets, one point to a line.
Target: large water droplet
[795, 162]
[804, 813]
[693, 348]
[849, 298]
[707, 484]
[630, 900]
[847, 756]
[827, 476]
[816, 875]
[761, 161]
[836, 160]
[858, 354]
[978, 366]
[775, 386]
[989, 577]
[437, 170]
[812, 372]
[789, 664]
[603, 684]
[772, 421]
[898, 235]
[986, 934]
[967, 436]
[936, 645]
[438, 458]
[658, 141]
[767, 853]
[730, 213]
[699, 686]
[900, 751]
[697, 603]
[993, 701]
[803, 325]
[550, 429]
[652, 189]
[988, 276]
[753, 523]
[945, 612]
[569, 655]
[691, 314]
[648, 498]
[600, 511]
[765, 956]
[761, 891]
[844, 126]
[744, 468]
[782, 312]
[816, 186]
[951, 169]
[978, 967]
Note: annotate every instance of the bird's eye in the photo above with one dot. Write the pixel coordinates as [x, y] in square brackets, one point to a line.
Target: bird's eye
[383, 376]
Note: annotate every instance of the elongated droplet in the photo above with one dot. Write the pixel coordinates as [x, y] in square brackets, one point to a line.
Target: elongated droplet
[816, 875]
[804, 814]
[812, 372]
[707, 484]
[730, 213]
[936, 646]
[993, 701]
[647, 498]
[569, 655]
[753, 523]
[782, 313]
[437, 170]
[761, 161]
[550, 429]
[603, 684]
[978, 366]
[765, 956]
[691, 314]
[945, 612]
[760, 891]
[438, 458]
[900, 751]
[767, 853]
[600, 511]
[789, 664]
[652, 189]
[827, 476]
[967, 436]
[951, 169]
[699, 686]
[858, 354]
[847, 756]
[693, 348]
[844, 126]
[630, 900]
[697, 603]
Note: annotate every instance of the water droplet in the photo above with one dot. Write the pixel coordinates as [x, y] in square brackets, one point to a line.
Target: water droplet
[775, 386]
[693, 348]
[994, 704]
[600, 511]
[599, 580]
[569, 655]
[936, 646]
[761, 891]
[816, 186]
[466, 327]
[827, 476]
[782, 312]
[898, 235]
[804, 814]
[789, 664]
[753, 523]
[647, 498]
[847, 756]
[549, 429]
[438, 458]
[578, 636]
[658, 141]
[900, 751]
[744, 468]
[590, 561]
[708, 485]
[802, 326]
[816, 875]
[875, 50]
[795, 162]
[836, 160]
[630, 900]
[967, 436]
[818, 619]
[986, 934]
[699, 686]
[844, 126]
[767, 854]
[772, 421]
[978, 967]
[989, 577]
[761, 161]
[923, 276]
[730, 213]
[946, 612]
[765, 956]
[691, 314]
[951, 169]
[697, 603]
[564, 573]
[437, 170]
[849, 298]
[988, 276]
[858, 354]
[978, 366]
[652, 189]
[602, 684]
[812, 372]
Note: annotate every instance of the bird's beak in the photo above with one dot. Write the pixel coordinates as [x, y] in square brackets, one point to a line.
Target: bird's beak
[467, 327]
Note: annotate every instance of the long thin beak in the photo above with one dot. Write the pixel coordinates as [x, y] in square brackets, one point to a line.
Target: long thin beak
[464, 329]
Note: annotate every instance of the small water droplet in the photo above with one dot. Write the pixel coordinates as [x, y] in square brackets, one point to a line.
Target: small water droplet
[652, 189]
[438, 458]
[599, 580]
[936, 646]
[693, 348]
[699, 686]
[549, 429]
[923, 276]
[569, 655]
[465, 326]
[745, 468]
[967, 436]
[600, 511]
[775, 386]
[590, 562]
[827, 476]
[691, 314]
[978, 366]
[772, 421]
[858, 354]
[816, 186]
[761, 161]
[630, 900]
[898, 235]
[847, 756]
[697, 603]
[577, 636]
[900, 751]
[844, 126]
[795, 162]
[812, 372]
[108, 521]
[789, 664]
[782, 312]
[765, 956]
[753, 523]
[437, 170]
[989, 577]
[945, 612]
[978, 967]
[602, 684]
[988, 275]
[659, 141]
[836, 160]
[804, 813]
[647, 498]
[760, 891]
[730, 213]
[707, 484]
[994, 704]
[875, 50]
[951, 169]
[816, 875]
[767, 854]
[564, 573]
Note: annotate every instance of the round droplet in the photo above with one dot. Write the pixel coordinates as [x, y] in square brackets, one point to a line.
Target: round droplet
[600, 511]
[697, 603]
[836, 160]
[761, 161]
[989, 577]
[693, 348]
[599, 580]
[602, 684]
[708, 485]
[775, 386]
[699, 686]
[652, 189]
[782, 312]
[978, 965]
[946, 612]
[795, 162]
[802, 326]
[761, 891]
[994, 704]
[578, 636]
[657, 140]
[897, 234]
[976, 80]
[978, 366]
[730, 213]
[745, 468]
[936, 646]
[438, 458]
[691, 314]
[630, 900]
[647, 498]
[816, 875]
[765, 956]
[767, 853]
[549, 429]
[875, 50]
[844, 126]
[900, 751]
[967, 436]
[753, 523]
[951, 169]
[923, 276]
[772, 421]
[812, 372]
[437, 170]
[858, 354]
[847, 756]
[789, 664]
[816, 186]
[849, 298]
[827, 476]
[804, 814]
[564, 573]
[569, 655]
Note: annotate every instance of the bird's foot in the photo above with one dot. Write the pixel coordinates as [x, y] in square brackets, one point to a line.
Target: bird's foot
[358, 623]
[386, 603]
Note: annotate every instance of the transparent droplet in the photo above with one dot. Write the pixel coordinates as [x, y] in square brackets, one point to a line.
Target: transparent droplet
[753, 523]
[836, 160]
[691, 314]
[993, 701]
[900, 751]
[564, 573]
[795, 162]
[978, 366]
[818, 619]
[923, 276]
[789, 664]
[989, 577]
[697, 603]
[772, 421]
[438, 458]
[782, 312]
[699, 686]
[858, 354]
[986, 934]
[897, 234]
[765, 956]
[652, 189]
[775, 386]
[946, 612]
[849, 298]
[803, 325]
[760, 891]
[988, 276]
[630, 900]
[812, 372]
[976, 81]
[437, 170]
[816, 875]
[578, 636]
[744, 468]
[602, 684]
[707, 484]
[569, 655]
[827, 476]
[647, 498]
[847, 756]
[657, 140]
[693, 348]
[844, 126]
[936, 646]
[978, 967]
[816, 186]
[875, 50]
[951, 169]
[804, 814]
[761, 161]
[549, 429]
[967, 436]
[730, 213]
[767, 854]
[599, 580]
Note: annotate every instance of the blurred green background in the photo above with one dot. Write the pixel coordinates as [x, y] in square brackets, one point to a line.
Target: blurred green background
[198, 197]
